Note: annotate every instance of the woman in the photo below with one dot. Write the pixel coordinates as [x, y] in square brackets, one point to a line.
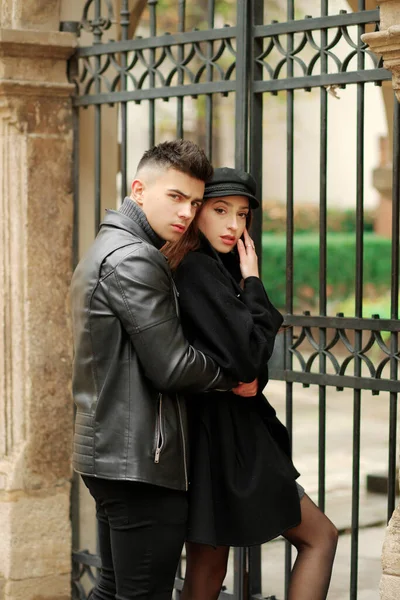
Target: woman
[243, 487]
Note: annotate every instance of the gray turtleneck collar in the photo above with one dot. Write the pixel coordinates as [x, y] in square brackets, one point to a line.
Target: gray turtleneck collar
[134, 212]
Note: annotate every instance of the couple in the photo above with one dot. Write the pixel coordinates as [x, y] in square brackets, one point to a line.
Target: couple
[173, 331]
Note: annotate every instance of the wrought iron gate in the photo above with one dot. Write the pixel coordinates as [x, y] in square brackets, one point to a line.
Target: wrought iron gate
[248, 60]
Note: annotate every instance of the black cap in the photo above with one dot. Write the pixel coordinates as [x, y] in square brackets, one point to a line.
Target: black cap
[232, 182]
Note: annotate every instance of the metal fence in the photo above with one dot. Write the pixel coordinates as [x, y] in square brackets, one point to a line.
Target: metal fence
[248, 60]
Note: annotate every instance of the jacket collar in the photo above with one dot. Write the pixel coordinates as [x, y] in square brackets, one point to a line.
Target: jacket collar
[228, 263]
[135, 224]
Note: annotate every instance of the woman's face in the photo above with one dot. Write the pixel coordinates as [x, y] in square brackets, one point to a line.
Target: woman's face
[223, 221]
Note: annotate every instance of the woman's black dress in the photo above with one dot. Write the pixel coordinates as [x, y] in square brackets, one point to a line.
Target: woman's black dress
[242, 480]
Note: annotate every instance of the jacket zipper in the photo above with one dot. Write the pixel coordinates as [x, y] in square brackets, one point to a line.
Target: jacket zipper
[183, 444]
[176, 296]
[159, 431]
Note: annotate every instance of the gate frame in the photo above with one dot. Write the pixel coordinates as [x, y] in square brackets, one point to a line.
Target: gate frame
[249, 87]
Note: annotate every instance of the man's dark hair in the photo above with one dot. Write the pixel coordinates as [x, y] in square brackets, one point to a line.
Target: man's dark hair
[182, 155]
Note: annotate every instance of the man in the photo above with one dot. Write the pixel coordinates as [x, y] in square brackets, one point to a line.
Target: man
[131, 359]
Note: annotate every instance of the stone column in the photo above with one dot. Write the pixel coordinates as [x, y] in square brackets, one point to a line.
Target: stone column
[382, 177]
[36, 213]
[386, 42]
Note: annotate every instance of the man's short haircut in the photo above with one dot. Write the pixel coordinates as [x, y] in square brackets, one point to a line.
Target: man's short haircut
[181, 155]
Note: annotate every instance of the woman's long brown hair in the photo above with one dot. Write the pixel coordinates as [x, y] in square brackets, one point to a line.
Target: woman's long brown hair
[175, 252]
[189, 242]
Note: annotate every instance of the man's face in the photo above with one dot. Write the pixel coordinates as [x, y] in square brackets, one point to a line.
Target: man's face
[169, 200]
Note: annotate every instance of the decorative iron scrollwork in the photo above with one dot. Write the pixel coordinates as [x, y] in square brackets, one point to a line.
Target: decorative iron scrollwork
[172, 64]
[373, 353]
[99, 23]
[305, 53]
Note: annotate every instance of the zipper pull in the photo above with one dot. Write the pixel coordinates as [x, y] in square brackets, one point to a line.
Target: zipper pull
[157, 455]
[174, 286]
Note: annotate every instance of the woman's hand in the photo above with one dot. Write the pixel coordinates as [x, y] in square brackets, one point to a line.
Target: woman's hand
[246, 389]
[248, 257]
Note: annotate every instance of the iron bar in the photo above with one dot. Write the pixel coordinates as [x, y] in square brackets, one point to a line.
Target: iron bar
[75, 510]
[152, 115]
[355, 508]
[75, 497]
[181, 29]
[97, 130]
[163, 93]
[338, 381]
[394, 311]
[165, 40]
[84, 558]
[324, 22]
[75, 180]
[310, 81]
[256, 132]
[322, 262]
[239, 574]
[241, 162]
[179, 580]
[123, 133]
[255, 576]
[242, 85]
[340, 322]
[255, 166]
[97, 168]
[209, 72]
[289, 255]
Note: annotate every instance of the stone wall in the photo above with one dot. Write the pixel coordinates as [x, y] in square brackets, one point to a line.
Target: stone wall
[36, 213]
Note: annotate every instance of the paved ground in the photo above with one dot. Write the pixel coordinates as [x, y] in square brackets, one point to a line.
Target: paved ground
[374, 449]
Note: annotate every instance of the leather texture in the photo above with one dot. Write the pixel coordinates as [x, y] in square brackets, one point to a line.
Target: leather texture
[132, 361]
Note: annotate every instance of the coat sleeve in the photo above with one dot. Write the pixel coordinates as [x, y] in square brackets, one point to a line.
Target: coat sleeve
[140, 293]
[237, 331]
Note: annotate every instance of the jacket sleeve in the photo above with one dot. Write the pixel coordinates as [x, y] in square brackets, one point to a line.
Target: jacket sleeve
[237, 331]
[141, 295]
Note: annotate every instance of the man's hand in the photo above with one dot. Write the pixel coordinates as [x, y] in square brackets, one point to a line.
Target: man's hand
[246, 389]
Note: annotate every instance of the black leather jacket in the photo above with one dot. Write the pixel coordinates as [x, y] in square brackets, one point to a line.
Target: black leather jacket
[131, 361]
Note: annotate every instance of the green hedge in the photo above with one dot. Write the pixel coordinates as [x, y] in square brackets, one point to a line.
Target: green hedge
[306, 219]
[341, 262]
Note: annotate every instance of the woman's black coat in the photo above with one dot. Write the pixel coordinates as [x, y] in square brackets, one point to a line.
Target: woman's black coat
[237, 327]
[243, 489]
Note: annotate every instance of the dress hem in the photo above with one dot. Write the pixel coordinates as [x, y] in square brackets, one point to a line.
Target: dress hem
[248, 544]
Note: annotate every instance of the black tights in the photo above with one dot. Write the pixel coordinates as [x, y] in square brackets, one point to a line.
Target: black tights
[315, 540]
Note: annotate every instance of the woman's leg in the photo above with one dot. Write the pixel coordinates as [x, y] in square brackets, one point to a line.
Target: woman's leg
[205, 571]
[315, 540]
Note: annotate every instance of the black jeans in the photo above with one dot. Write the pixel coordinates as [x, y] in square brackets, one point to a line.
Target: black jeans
[141, 528]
